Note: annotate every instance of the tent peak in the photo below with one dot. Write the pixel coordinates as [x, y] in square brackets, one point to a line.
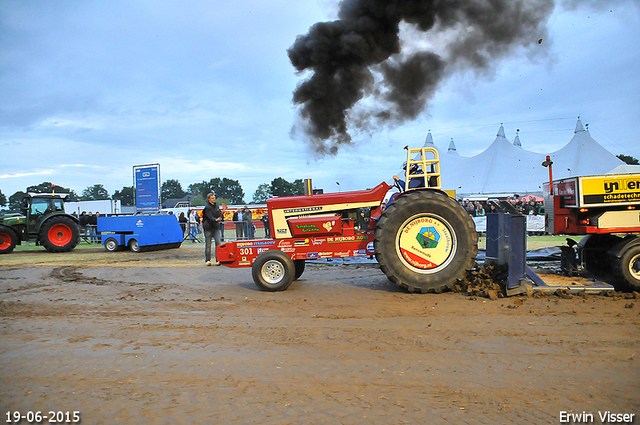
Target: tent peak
[429, 140]
[579, 126]
[452, 147]
[501, 131]
[516, 141]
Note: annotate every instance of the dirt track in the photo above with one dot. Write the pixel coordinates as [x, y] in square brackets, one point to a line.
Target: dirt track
[155, 345]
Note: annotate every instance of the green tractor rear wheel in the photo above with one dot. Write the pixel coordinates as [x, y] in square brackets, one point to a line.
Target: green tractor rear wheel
[8, 240]
[59, 234]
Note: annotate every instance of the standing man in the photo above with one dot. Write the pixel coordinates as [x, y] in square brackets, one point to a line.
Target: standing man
[238, 222]
[211, 218]
[247, 217]
[265, 222]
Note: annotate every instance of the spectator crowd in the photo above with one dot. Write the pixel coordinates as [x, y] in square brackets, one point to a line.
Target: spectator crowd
[527, 205]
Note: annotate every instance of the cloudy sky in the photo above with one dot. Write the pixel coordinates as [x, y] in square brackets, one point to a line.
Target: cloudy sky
[88, 89]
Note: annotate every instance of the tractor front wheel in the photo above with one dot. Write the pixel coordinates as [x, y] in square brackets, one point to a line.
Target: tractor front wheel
[8, 240]
[59, 234]
[273, 271]
[425, 241]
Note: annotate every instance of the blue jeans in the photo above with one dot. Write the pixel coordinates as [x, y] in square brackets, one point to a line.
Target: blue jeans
[248, 229]
[208, 235]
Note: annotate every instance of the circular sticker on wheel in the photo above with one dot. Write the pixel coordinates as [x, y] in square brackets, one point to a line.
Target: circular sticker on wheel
[426, 243]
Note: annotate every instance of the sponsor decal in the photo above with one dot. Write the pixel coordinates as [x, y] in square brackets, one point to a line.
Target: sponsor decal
[281, 231]
[325, 254]
[428, 237]
[359, 252]
[288, 250]
[284, 243]
[329, 225]
[307, 227]
[318, 241]
[256, 244]
[261, 250]
[611, 190]
[370, 247]
[299, 210]
[339, 239]
[342, 254]
[312, 255]
[244, 263]
[301, 243]
[139, 223]
[426, 243]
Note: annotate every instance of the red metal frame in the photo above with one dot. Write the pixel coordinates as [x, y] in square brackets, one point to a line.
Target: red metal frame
[314, 236]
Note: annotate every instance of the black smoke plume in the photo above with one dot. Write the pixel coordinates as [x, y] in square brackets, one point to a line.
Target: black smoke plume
[360, 57]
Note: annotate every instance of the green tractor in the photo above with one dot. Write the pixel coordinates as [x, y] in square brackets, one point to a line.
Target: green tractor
[42, 221]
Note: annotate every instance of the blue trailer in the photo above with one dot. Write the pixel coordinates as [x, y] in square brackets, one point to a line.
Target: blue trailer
[140, 232]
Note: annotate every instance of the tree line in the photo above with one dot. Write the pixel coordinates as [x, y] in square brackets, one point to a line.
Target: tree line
[227, 190]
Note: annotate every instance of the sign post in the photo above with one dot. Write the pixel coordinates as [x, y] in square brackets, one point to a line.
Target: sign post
[146, 180]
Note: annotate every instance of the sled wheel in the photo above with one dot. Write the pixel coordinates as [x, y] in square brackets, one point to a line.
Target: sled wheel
[273, 270]
[593, 253]
[425, 241]
[133, 245]
[111, 245]
[59, 234]
[629, 267]
[299, 265]
[7, 240]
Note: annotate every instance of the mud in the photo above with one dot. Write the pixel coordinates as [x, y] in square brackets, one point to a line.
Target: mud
[165, 345]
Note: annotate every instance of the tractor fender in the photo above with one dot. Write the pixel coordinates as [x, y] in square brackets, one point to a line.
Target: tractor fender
[420, 189]
[625, 244]
[57, 215]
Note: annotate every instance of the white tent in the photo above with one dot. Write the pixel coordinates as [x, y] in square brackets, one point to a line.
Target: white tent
[582, 156]
[508, 168]
[501, 168]
[625, 169]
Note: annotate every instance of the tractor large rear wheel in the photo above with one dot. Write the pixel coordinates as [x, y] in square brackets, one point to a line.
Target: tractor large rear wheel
[8, 240]
[425, 241]
[59, 234]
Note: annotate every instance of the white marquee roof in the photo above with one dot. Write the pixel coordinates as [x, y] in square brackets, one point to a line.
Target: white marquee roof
[508, 168]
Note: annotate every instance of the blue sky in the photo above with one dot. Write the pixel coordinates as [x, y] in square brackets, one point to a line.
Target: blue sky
[89, 89]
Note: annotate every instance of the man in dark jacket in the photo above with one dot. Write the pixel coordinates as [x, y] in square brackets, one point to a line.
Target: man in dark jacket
[211, 218]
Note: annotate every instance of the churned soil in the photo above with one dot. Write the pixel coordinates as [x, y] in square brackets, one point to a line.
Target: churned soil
[182, 343]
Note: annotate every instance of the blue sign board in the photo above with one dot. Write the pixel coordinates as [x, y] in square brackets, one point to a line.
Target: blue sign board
[147, 182]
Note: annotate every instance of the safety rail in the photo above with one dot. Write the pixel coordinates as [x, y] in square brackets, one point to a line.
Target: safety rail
[430, 168]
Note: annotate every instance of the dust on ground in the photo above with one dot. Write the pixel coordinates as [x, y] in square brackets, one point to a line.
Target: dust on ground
[170, 341]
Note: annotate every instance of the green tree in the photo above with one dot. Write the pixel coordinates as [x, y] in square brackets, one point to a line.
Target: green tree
[262, 193]
[48, 187]
[94, 193]
[125, 196]
[227, 190]
[201, 189]
[15, 201]
[3, 199]
[172, 189]
[628, 159]
[198, 201]
[281, 187]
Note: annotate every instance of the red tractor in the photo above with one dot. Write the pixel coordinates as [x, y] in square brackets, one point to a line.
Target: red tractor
[423, 240]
